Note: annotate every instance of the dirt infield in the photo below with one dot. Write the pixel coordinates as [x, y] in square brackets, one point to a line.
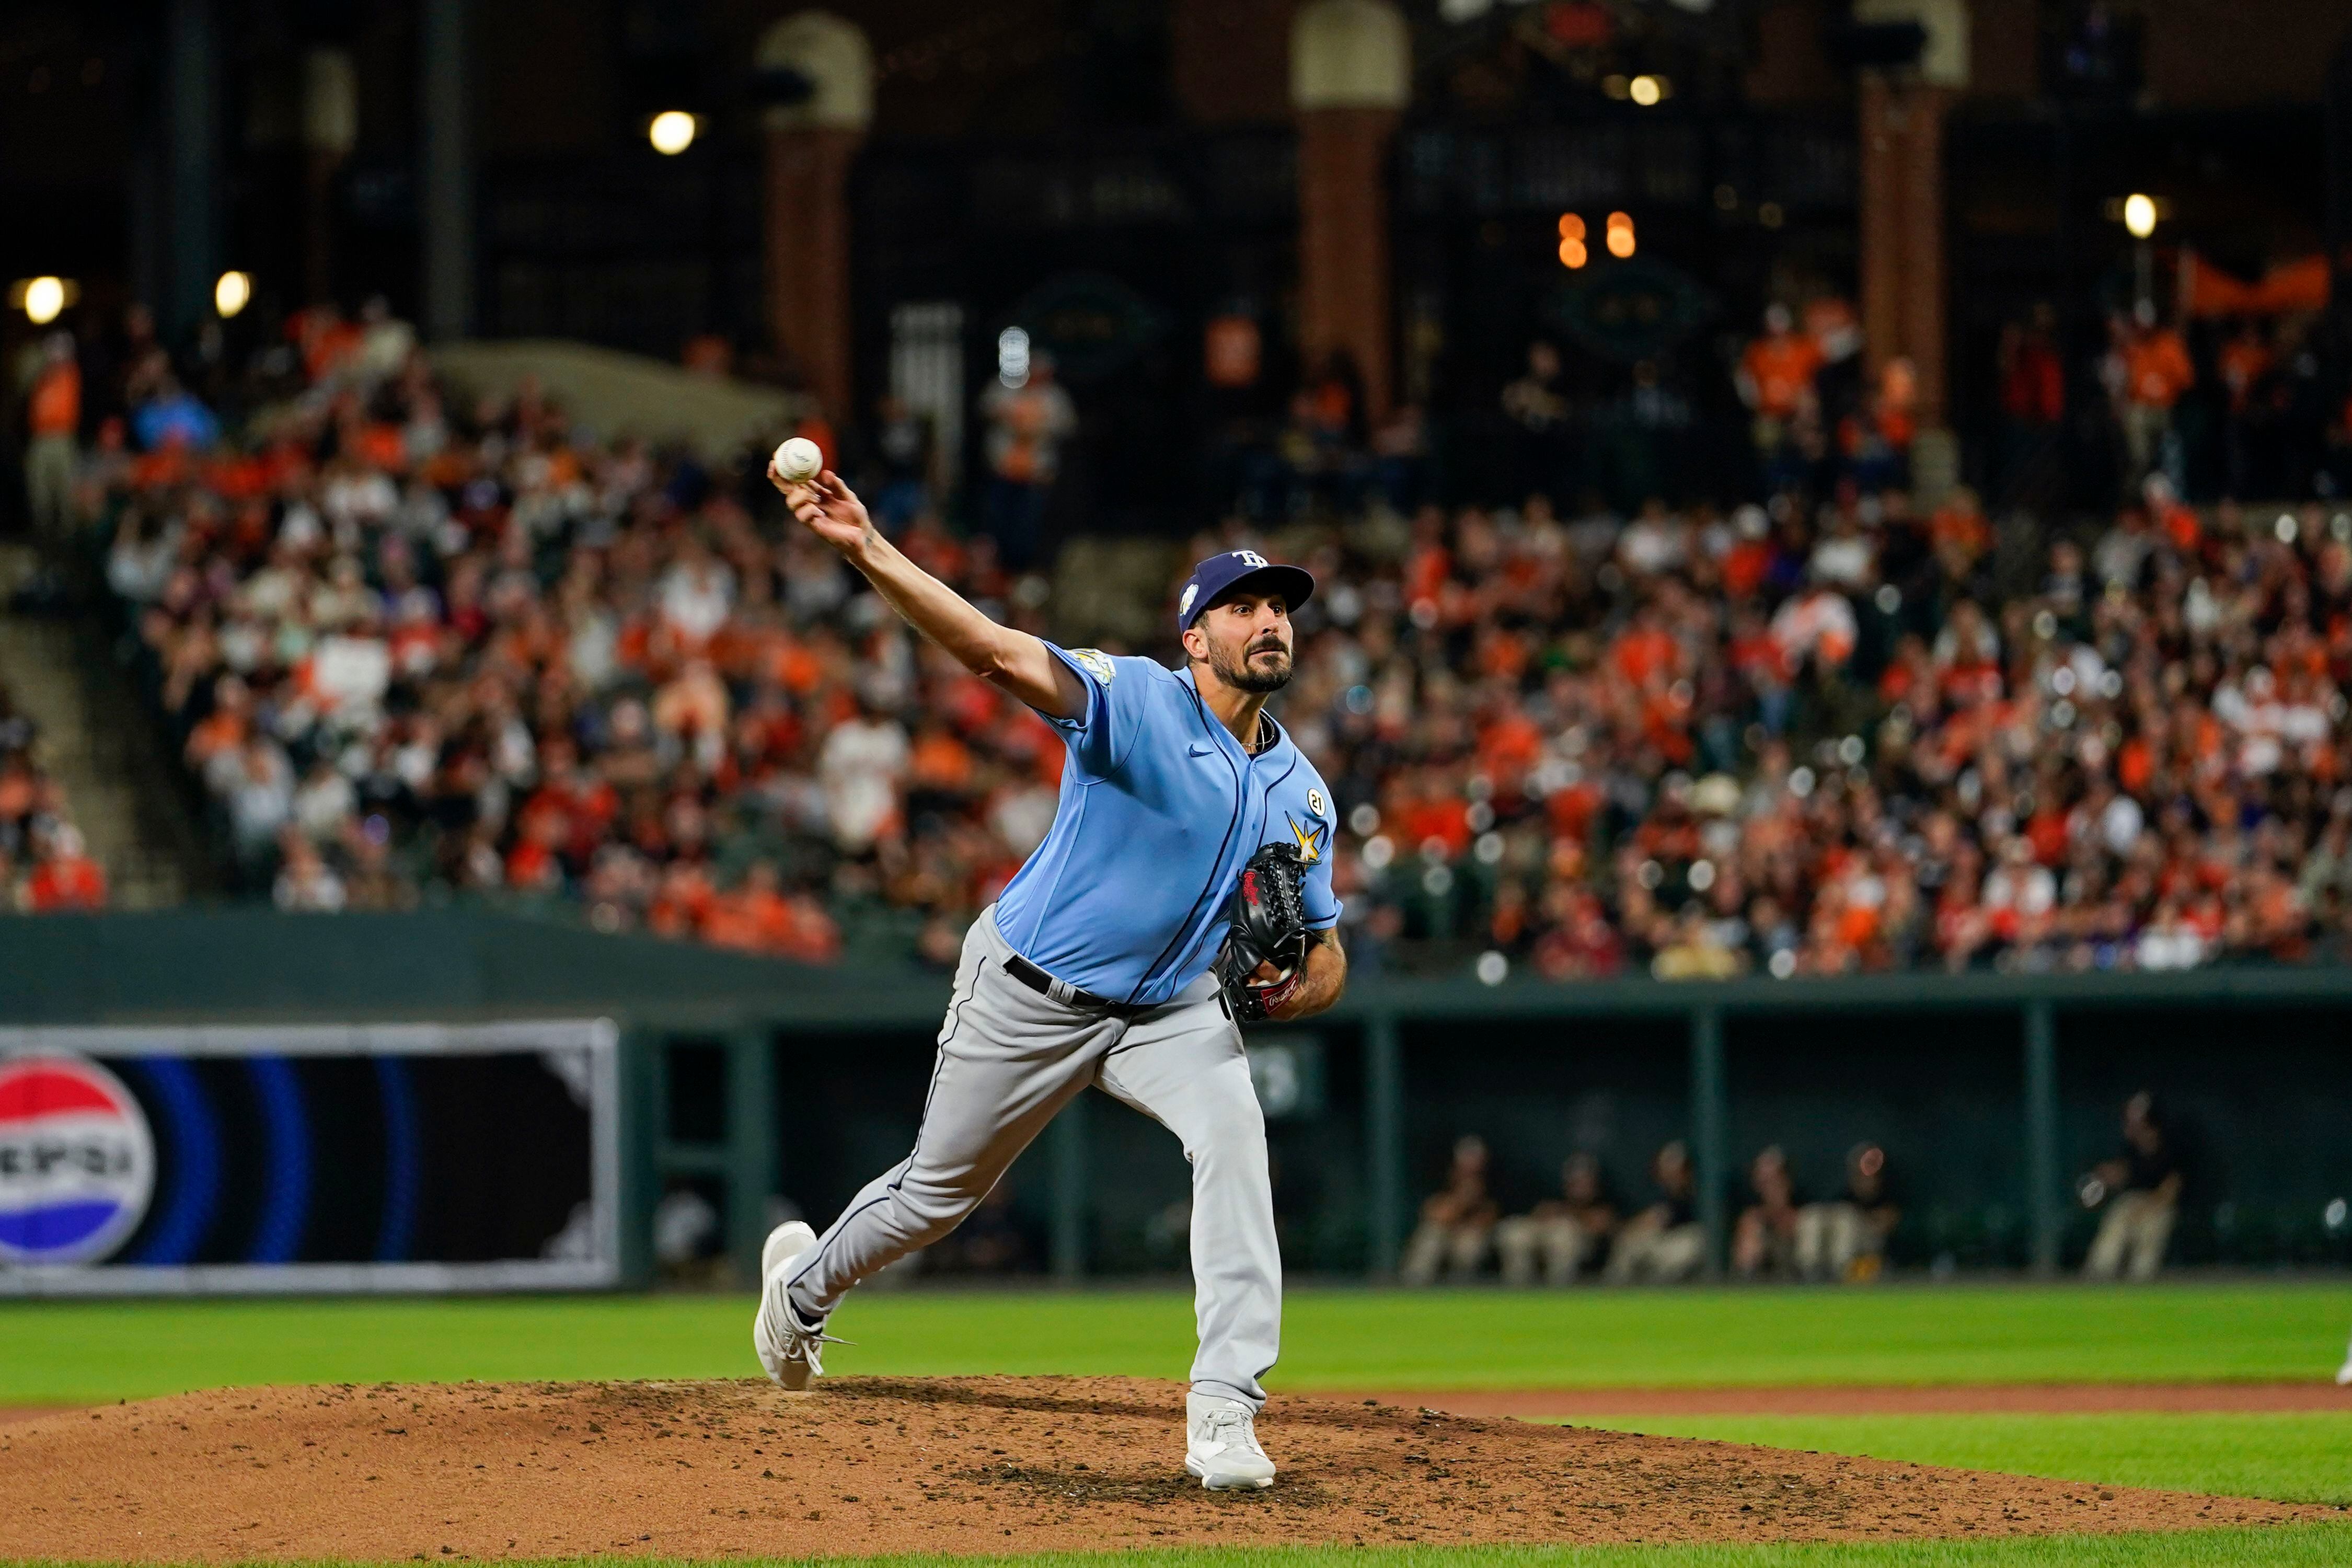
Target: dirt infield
[9, 1413]
[714, 1469]
[2013, 1398]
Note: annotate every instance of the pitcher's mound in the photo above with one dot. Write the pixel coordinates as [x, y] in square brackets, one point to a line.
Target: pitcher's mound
[872, 1465]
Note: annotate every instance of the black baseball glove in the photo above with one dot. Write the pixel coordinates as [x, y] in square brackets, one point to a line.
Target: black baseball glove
[1266, 924]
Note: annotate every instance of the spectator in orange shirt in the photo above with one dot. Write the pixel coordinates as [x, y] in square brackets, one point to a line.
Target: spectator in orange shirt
[2156, 372]
[1958, 533]
[64, 876]
[53, 418]
[752, 918]
[2245, 358]
[1776, 375]
[1645, 651]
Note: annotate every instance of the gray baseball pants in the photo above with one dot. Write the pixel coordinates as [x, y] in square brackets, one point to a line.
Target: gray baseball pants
[1011, 1057]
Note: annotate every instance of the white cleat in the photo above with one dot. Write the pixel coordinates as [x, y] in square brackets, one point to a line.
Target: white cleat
[784, 1243]
[2344, 1373]
[1221, 1445]
[790, 1352]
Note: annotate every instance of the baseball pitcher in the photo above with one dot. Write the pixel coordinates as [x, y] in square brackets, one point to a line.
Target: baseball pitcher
[1185, 888]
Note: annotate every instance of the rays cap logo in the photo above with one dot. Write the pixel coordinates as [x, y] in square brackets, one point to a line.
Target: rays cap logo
[77, 1162]
[1222, 574]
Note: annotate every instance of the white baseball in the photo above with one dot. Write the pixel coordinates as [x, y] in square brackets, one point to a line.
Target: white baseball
[799, 458]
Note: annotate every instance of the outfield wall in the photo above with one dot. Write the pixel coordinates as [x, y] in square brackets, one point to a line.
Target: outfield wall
[746, 1077]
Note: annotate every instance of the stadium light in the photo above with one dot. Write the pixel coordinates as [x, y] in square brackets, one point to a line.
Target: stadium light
[672, 131]
[1645, 90]
[1572, 253]
[1013, 358]
[233, 293]
[1620, 235]
[2139, 215]
[45, 299]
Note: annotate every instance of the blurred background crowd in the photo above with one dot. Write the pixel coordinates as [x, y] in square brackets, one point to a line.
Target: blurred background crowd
[1797, 491]
[411, 648]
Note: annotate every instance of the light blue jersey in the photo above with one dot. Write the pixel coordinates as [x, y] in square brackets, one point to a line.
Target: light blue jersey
[1160, 808]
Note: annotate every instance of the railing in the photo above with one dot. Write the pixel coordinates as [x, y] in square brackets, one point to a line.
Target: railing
[1375, 1014]
[258, 966]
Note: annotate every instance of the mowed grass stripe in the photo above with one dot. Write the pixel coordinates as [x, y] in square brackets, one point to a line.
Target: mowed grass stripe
[1334, 1339]
[2285, 1456]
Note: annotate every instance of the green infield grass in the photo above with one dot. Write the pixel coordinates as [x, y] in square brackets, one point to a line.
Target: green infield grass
[1334, 1339]
[2290, 1456]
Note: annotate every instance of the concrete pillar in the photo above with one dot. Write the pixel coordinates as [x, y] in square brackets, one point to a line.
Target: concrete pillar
[330, 128]
[805, 218]
[1710, 1137]
[447, 162]
[1066, 1240]
[2336, 121]
[2045, 1199]
[1924, 330]
[1902, 136]
[752, 1165]
[191, 258]
[1881, 218]
[1903, 274]
[1350, 78]
[1385, 1156]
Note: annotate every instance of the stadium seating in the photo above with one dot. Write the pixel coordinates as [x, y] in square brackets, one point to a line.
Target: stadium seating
[416, 653]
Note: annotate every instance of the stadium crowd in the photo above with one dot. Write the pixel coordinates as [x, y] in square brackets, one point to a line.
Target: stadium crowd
[1815, 741]
[44, 865]
[412, 650]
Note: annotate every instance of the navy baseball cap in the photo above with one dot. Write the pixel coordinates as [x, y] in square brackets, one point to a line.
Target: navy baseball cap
[1223, 573]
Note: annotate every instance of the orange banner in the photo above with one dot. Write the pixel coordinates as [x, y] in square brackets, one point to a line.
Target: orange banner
[2288, 287]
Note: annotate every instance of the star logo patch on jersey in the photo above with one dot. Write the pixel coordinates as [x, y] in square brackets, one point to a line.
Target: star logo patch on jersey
[1096, 663]
[1311, 838]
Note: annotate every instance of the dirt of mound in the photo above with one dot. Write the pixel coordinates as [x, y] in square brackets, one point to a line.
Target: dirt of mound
[2017, 1398]
[872, 1465]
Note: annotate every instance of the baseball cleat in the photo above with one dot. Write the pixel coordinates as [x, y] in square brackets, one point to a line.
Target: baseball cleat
[784, 1243]
[791, 1350]
[2344, 1373]
[1221, 1446]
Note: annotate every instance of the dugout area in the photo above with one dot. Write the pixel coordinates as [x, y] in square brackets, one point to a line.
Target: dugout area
[745, 1079]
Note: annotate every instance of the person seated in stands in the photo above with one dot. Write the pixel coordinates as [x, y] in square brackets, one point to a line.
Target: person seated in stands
[2141, 1189]
[1562, 1233]
[1697, 952]
[1665, 1243]
[1764, 1242]
[1845, 1240]
[1457, 1221]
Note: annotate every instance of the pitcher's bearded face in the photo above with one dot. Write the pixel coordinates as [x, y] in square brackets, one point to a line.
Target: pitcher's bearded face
[1246, 642]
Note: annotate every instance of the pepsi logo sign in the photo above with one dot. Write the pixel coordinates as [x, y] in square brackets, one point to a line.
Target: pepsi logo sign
[77, 1160]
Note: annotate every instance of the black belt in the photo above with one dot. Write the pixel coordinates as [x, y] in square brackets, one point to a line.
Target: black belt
[1044, 985]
